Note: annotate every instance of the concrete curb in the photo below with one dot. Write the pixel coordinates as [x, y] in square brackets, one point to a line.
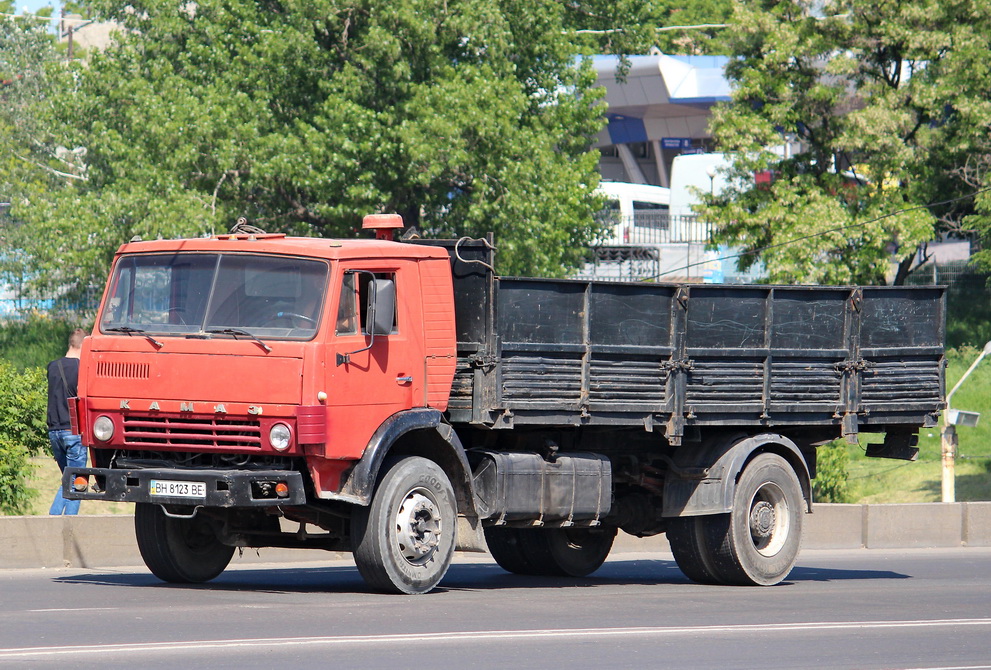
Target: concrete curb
[102, 541]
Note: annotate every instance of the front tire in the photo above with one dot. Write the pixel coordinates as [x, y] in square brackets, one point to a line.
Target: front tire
[506, 546]
[180, 551]
[403, 541]
[563, 552]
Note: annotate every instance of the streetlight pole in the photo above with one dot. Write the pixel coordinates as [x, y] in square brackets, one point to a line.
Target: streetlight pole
[948, 436]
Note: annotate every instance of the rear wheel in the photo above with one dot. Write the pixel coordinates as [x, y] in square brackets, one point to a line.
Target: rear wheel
[688, 539]
[758, 541]
[403, 542]
[182, 551]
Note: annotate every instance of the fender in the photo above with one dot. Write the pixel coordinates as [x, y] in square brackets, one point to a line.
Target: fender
[703, 479]
[440, 443]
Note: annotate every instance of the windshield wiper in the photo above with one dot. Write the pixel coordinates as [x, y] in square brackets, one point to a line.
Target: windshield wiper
[131, 331]
[234, 332]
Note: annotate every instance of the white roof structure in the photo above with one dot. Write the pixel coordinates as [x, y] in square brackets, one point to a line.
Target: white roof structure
[661, 97]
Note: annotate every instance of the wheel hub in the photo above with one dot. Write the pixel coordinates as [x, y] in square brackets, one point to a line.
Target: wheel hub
[762, 520]
[418, 527]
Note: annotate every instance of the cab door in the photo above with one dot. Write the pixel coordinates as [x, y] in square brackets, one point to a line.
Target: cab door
[371, 376]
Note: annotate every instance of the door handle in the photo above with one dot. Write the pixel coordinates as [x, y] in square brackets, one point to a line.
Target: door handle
[404, 380]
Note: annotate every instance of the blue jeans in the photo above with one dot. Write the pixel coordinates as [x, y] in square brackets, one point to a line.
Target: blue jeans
[69, 451]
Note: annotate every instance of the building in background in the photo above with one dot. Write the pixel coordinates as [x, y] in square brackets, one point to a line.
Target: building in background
[657, 110]
[78, 32]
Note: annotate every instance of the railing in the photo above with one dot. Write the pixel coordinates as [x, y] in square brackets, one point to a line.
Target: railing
[652, 227]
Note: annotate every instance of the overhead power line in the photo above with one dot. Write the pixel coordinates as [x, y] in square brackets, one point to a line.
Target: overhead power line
[660, 29]
[49, 19]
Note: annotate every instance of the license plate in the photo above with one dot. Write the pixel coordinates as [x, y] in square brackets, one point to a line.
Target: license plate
[174, 489]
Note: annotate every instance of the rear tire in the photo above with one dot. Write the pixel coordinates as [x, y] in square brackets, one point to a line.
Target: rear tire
[404, 540]
[757, 543]
[688, 539]
[180, 551]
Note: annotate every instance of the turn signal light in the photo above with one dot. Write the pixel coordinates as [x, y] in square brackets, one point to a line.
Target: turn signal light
[282, 490]
[80, 483]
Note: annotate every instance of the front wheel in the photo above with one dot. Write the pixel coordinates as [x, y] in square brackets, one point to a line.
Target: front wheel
[178, 550]
[757, 543]
[404, 540]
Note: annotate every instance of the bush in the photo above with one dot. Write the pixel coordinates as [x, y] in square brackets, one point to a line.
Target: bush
[830, 484]
[23, 431]
[14, 471]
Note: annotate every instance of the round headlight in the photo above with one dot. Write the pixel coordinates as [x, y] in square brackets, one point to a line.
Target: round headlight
[280, 436]
[103, 428]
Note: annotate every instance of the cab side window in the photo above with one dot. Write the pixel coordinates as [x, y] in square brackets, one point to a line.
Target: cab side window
[356, 289]
[347, 315]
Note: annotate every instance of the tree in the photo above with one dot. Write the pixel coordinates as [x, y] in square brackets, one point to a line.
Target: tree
[465, 116]
[875, 94]
[23, 432]
[30, 164]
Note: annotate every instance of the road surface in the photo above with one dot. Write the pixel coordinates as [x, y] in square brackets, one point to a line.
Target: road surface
[863, 609]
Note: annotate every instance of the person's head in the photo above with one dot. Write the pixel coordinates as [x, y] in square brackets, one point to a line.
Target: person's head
[76, 340]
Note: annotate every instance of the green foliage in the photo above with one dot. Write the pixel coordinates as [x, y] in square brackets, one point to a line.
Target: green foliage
[28, 160]
[830, 484]
[35, 341]
[464, 116]
[23, 431]
[23, 407]
[14, 470]
[26, 50]
[888, 101]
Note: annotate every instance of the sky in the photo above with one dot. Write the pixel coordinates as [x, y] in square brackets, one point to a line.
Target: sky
[34, 5]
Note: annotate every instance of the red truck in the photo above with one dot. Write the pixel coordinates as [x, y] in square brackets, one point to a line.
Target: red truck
[396, 399]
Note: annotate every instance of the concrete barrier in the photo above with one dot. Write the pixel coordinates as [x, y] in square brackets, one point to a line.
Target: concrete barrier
[101, 541]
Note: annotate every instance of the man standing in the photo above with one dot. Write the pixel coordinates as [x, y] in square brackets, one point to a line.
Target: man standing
[63, 375]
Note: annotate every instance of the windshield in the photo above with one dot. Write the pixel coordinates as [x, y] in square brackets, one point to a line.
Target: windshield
[185, 293]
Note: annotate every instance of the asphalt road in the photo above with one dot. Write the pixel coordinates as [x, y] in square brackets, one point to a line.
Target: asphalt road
[862, 609]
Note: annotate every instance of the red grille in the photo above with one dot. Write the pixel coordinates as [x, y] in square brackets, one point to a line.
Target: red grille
[191, 433]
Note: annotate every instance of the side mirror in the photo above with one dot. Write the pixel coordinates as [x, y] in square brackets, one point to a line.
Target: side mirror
[381, 312]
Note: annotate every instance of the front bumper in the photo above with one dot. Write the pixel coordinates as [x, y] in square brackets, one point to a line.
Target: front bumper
[224, 488]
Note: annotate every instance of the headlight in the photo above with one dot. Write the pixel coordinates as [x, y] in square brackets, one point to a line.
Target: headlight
[280, 436]
[103, 428]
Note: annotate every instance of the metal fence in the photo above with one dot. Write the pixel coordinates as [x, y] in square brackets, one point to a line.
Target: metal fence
[652, 227]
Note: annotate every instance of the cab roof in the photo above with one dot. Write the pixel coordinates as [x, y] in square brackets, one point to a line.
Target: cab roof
[278, 243]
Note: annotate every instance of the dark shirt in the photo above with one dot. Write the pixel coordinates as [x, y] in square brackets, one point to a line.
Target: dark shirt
[58, 394]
